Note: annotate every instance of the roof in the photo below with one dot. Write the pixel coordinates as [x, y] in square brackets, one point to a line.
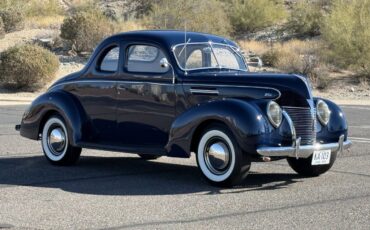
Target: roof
[172, 37]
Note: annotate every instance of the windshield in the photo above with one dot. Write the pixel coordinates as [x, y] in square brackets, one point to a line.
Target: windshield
[205, 55]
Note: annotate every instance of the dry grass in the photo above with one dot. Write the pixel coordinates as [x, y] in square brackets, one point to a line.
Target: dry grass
[44, 22]
[124, 26]
[291, 56]
[294, 46]
[256, 47]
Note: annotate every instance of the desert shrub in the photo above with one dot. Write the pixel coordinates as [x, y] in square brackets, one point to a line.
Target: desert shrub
[270, 58]
[346, 32]
[305, 18]
[252, 15]
[13, 19]
[2, 29]
[202, 16]
[27, 67]
[85, 29]
[320, 78]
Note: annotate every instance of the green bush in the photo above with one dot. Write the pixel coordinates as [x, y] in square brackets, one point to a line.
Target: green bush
[85, 29]
[202, 16]
[252, 15]
[305, 18]
[13, 19]
[346, 32]
[2, 29]
[27, 67]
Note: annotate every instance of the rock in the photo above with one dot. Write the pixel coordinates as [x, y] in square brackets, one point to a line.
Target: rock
[352, 89]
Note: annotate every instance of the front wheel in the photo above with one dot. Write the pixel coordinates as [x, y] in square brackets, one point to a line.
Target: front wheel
[303, 166]
[220, 158]
[55, 143]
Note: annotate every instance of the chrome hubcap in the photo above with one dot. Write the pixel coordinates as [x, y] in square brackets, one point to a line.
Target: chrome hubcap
[217, 157]
[57, 141]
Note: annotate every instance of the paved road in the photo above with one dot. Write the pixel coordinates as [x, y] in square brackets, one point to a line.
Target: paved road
[118, 191]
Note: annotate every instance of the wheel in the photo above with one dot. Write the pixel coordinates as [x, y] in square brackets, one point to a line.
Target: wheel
[303, 166]
[55, 143]
[148, 156]
[219, 157]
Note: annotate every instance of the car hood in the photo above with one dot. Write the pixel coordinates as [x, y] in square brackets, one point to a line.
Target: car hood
[294, 90]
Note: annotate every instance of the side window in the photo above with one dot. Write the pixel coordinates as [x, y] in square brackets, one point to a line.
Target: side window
[195, 60]
[109, 60]
[145, 59]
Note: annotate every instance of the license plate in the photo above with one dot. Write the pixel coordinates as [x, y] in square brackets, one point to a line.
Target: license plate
[321, 157]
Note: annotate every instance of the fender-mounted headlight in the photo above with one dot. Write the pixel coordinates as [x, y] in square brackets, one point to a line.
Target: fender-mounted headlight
[323, 112]
[274, 113]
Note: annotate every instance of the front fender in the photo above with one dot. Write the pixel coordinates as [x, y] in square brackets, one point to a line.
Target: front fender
[337, 124]
[59, 102]
[243, 118]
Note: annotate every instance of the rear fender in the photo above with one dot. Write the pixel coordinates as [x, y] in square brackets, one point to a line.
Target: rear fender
[56, 102]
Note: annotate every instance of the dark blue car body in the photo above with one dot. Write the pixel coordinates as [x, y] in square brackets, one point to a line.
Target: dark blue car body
[164, 114]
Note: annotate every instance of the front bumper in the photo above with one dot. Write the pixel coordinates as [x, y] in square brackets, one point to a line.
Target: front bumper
[303, 151]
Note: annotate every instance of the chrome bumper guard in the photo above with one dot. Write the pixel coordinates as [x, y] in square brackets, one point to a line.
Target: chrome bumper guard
[304, 151]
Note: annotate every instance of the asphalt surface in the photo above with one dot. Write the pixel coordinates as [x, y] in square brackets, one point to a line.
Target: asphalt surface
[118, 191]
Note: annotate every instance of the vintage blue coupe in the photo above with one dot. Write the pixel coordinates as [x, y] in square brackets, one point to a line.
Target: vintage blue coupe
[171, 93]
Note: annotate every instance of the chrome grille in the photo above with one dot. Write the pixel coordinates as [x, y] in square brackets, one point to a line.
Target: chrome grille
[304, 120]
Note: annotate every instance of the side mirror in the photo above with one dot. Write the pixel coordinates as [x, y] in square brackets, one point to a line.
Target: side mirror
[164, 63]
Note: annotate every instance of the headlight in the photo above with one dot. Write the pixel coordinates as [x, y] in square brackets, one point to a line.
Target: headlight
[274, 113]
[323, 112]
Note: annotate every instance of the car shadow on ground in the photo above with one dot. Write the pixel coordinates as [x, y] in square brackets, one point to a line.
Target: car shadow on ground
[125, 176]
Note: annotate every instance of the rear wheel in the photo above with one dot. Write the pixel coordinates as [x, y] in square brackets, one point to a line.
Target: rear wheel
[303, 166]
[55, 143]
[148, 156]
[219, 157]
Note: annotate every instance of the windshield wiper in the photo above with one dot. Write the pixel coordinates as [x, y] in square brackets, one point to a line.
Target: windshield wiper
[183, 48]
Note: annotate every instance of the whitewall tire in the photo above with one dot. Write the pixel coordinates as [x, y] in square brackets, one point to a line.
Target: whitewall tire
[55, 142]
[220, 158]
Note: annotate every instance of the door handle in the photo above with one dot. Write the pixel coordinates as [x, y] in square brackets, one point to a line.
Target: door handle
[204, 91]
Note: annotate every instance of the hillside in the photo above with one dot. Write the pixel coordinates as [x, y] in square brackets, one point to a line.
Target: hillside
[286, 46]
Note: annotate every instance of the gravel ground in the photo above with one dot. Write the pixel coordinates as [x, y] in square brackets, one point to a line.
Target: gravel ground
[108, 190]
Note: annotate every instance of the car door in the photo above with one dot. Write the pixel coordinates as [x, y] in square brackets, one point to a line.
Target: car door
[96, 91]
[145, 97]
